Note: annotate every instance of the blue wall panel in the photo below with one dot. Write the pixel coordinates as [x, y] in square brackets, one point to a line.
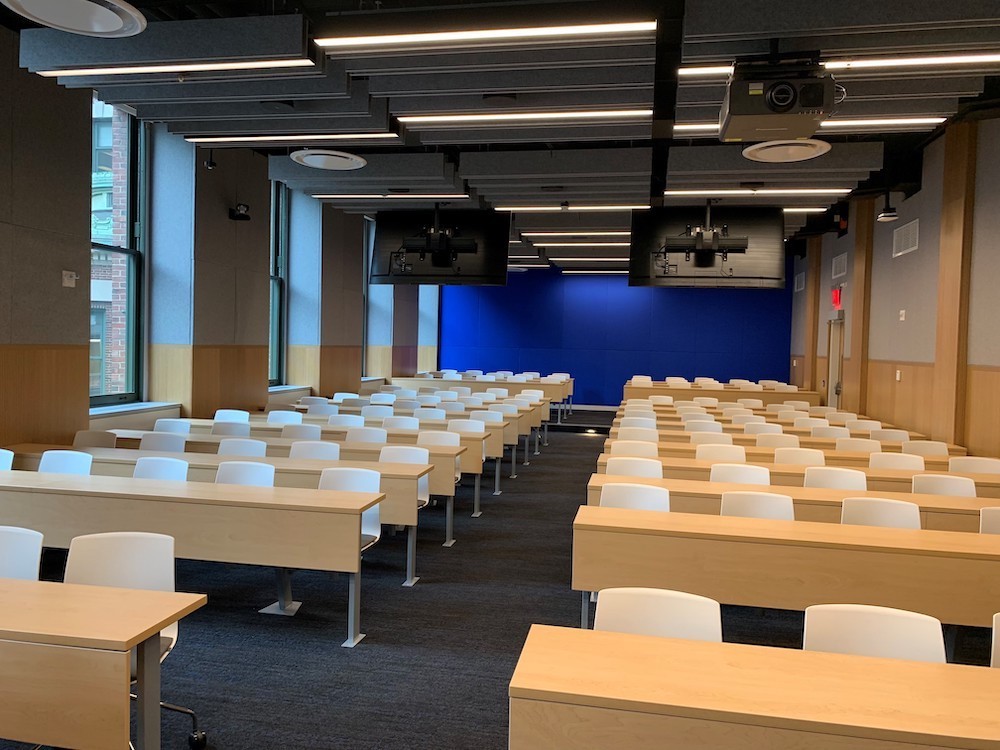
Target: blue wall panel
[603, 331]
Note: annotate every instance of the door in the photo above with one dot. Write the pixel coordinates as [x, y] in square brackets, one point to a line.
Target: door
[835, 360]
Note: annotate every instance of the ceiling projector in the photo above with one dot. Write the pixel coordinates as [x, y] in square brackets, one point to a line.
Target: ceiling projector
[767, 101]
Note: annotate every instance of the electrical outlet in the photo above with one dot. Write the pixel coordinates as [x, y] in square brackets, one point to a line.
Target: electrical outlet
[902, 314]
[69, 278]
[899, 375]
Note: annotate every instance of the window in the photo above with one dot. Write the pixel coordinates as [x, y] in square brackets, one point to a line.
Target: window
[114, 257]
[279, 270]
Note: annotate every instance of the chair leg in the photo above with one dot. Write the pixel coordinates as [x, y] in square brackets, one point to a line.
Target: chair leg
[197, 738]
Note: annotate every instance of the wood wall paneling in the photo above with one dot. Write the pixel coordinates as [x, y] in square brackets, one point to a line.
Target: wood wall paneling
[169, 376]
[855, 371]
[902, 402]
[982, 423]
[302, 366]
[44, 396]
[427, 358]
[796, 375]
[340, 369]
[814, 256]
[379, 361]
[232, 376]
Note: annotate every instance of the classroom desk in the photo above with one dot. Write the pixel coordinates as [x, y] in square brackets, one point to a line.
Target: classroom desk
[755, 562]
[939, 512]
[887, 480]
[65, 662]
[398, 481]
[833, 457]
[768, 396]
[677, 431]
[557, 393]
[593, 690]
[284, 528]
[674, 422]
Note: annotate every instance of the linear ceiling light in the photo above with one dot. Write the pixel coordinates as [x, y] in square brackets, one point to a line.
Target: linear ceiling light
[882, 122]
[683, 127]
[976, 58]
[304, 137]
[800, 210]
[694, 71]
[529, 116]
[713, 192]
[582, 244]
[557, 209]
[391, 196]
[596, 260]
[124, 70]
[576, 234]
[486, 35]
[524, 257]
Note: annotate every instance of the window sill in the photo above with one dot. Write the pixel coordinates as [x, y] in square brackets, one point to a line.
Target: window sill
[136, 407]
[285, 388]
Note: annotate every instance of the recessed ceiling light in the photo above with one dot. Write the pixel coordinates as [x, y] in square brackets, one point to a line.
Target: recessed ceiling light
[391, 196]
[301, 137]
[577, 234]
[556, 209]
[481, 35]
[102, 18]
[623, 114]
[710, 192]
[582, 244]
[882, 122]
[319, 158]
[805, 210]
[926, 61]
[125, 70]
[783, 152]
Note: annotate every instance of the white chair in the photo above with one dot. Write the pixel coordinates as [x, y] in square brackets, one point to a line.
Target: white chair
[410, 454]
[889, 436]
[160, 467]
[470, 402]
[829, 432]
[758, 505]
[751, 387]
[840, 418]
[989, 523]
[94, 439]
[634, 448]
[428, 438]
[639, 433]
[323, 410]
[770, 440]
[628, 466]
[282, 416]
[634, 496]
[315, 450]
[751, 403]
[776, 408]
[358, 403]
[377, 411]
[995, 646]
[638, 422]
[167, 442]
[346, 420]
[737, 411]
[794, 414]
[707, 401]
[740, 474]
[383, 399]
[429, 414]
[231, 415]
[731, 454]
[879, 511]
[821, 411]
[357, 480]
[895, 461]
[498, 392]
[428, 400]
[711, 438]
[516, 379]
[863, 425]
[339, 396]
[172, 425]
[745, 419]
[659, 612]
[661, 400]
[6, 459]
[642, 380]
[925, 447]
[799, 456]
[639, 402]
[810, 422]
[20, 553]
[302, 431]
[974, 465]
[453, 407]
[835, 478]
[446, 396]
[367, 435]
[858, 445]
[242, 447]
[390, 388]
[799, 405]
[131, 560]
[864, 630]
[943, 484]
[65, 462]
[487, 378]
[401, 423]
[231, 429]
[762, 428]
[701, 426]
[682, 410]
[308, 401]
[473, 372]
[245, 473]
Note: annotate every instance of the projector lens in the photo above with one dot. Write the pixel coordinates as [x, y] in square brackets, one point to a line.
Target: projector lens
[780, 97]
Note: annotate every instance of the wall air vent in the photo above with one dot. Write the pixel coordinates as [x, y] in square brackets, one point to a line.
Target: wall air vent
[800, 281]
[839, 266]
[906, 239]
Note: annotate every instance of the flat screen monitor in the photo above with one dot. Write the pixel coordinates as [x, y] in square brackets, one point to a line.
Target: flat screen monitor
[441, 247]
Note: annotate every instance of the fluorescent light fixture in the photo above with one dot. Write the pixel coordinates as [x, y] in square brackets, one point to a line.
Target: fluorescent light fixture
[583, 244]
[577, 234]
[693, 71]
[596, 114]
[389, 196]
[125, 70]
[882, 122]
[595, 260]
[602, 273]
[524, 257]
[683, 127]
[487, 35]
[760, 192]
[284, 138]
[810, 210]
[980, 58]
[557, 209]
[521, 265]
[711, 192]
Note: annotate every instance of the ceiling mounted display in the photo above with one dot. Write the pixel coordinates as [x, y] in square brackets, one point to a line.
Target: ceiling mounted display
[781, 152]
[319, 158]
[103, 18]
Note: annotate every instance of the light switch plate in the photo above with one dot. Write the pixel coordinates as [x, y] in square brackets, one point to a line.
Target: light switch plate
[899, 374]
[69, 278]
[902, 314]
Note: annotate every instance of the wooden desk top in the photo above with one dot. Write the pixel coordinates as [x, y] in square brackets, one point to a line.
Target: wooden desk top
[212, 460]
[794, 533]
[201, 493]
[100, 617]
[941, 705]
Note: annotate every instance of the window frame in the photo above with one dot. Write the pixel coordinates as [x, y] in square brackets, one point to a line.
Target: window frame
[278, 332]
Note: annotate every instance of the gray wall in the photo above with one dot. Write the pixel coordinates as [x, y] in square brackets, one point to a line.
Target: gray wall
[799, 309]
[908, 282]
[984, 326]
[832, 247]
[305, 269]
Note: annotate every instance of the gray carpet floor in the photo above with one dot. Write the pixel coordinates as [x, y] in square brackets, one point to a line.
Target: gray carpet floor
[434, 668]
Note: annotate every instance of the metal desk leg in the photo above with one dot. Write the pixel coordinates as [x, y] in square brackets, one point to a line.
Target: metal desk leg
[354, 634]
[285, 605]
[513, 461]
[585, 610]
[538, 437]
[559, 411]
[546, 441]
[411, 556]
[148, 692]
[496, 476]
[571, 404]
[525, 462]
[476, 511]
[449, 524]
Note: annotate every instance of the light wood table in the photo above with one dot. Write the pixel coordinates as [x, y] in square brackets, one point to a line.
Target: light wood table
[887, 480]
[589, 690]
[940, 512]
[285, 528]
[674, 422]
[560, 394]
[65, 662]
[950, 575]
[728, 393]
[677, 432]
[399, 482]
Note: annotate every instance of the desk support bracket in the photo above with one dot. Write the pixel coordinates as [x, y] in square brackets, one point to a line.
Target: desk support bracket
[526, 462]
[285, 605]
[148, 694]
[496, 476]
[476, 510]
[449, 525]
[354, 634]
[411, 556]
[585, 610]
[513, 461]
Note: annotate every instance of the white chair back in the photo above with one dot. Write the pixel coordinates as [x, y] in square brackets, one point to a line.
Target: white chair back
[315, 450]
[346, 420]
[65, 462]
[989, 523]
[634, 448]
[160, 467]
[629, 466]
[702, 426]
[895, 461]
[429, 414]
[810, 422]
[864, 630]
[925, 447]
[302, 431]
[638, 422]
[942, 484]
[284, 417]
[172, 425]
[740, 474]
[357, 480]
[242, 447]
[645, 434]
[323, 410]
[410, 454]
[758, 505]
[764, 428]
[20, 553]
[339, 396]
[974, 465]
[382, 399]
[634, 496]
[711, 438]
[859, 445]
[367, 435]
[732, 454]
[799, 456]
[880, 511]
[835, 478]
[659, 612]
[167, 442]
[829, 432]
[231, 415]
[246, 473]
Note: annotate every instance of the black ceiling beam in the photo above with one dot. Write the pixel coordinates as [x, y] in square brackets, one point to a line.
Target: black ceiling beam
[669, 41]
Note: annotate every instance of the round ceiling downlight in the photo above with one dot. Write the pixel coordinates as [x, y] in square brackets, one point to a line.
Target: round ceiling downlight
[321, 158]
[780, 152]
[103, 18]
